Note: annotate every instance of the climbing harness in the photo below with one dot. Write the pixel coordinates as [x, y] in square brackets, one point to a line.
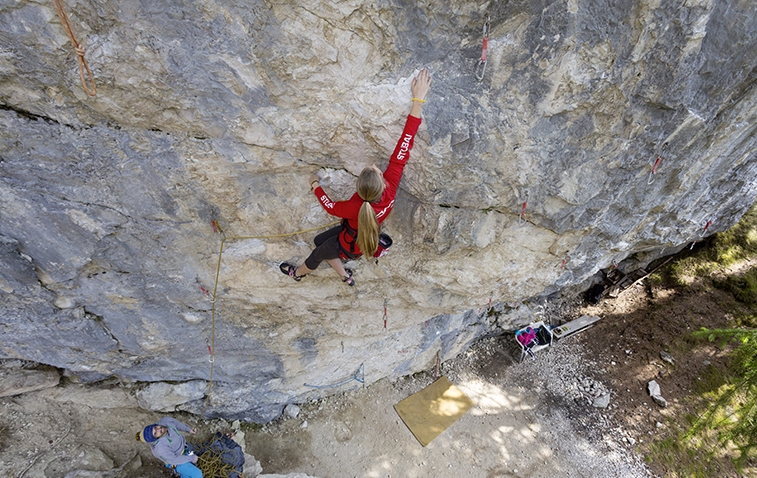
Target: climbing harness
[654, 169]
[358, 376]
[522, 218]
[80, 51]
[481, 66]
[224, 240]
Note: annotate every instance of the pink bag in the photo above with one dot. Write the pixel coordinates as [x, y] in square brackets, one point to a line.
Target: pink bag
[525, 337]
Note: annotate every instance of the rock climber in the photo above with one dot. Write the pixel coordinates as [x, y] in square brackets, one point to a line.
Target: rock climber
[362, 214]
[168, 445]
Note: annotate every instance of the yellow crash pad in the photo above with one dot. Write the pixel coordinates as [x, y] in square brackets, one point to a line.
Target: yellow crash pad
[432, 410]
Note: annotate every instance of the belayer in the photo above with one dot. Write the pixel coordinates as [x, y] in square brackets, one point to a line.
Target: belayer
[362, 214]
[168, 445]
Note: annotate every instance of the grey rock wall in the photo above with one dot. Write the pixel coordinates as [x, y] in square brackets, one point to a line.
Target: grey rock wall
[219, 110]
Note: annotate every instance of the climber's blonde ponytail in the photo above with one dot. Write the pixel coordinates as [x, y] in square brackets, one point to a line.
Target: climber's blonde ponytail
[370, 187]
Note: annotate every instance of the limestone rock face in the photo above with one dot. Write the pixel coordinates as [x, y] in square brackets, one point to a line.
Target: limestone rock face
[16, 382]
[526, 182]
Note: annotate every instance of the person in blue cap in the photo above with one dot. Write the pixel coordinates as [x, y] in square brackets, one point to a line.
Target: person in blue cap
[168, 445]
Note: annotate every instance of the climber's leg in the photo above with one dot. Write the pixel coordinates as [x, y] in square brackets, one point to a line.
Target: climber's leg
[322, 237]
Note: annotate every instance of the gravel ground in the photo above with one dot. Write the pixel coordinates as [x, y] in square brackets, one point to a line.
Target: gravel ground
[533, 419]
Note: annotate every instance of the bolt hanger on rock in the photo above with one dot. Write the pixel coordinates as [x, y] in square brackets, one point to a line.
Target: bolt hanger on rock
[481, 66]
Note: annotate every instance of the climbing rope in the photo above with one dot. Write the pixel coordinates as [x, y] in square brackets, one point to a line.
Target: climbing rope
[80, 51]
[212, 345]
[386, 302]
[481, 66]
[212, 466]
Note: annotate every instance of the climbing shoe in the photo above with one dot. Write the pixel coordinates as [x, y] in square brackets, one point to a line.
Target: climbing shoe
[348, 278]
[290, 270]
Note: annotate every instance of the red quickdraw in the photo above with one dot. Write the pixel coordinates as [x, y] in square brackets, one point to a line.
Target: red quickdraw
[386, 301]
[522, 217]
[488, 306]
[211, 358]
[654, 169]
[205, 291]
[216, 227]
[704, 231]
[481, 66]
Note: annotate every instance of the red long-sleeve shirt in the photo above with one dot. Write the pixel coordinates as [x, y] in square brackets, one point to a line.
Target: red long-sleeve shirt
[349, 209]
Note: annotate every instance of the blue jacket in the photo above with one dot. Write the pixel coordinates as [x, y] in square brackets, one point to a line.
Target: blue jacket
[170, 447]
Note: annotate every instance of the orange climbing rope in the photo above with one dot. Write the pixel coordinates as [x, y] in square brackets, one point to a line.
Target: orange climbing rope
[78, 48]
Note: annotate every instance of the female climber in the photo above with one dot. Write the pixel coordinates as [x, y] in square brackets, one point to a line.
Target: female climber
[362, 214]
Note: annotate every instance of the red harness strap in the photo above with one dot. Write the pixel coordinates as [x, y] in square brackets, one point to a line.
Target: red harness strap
[347, 241]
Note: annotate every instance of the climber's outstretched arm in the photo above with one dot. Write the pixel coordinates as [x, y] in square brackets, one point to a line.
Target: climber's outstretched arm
[419, 87]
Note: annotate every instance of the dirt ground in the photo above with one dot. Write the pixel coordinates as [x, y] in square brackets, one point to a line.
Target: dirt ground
[530, 419]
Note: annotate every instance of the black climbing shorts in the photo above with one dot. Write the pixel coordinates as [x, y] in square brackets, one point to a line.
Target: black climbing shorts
[326, 248]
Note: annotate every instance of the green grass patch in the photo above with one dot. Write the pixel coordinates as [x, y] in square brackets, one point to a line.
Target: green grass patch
[729, 413]
[724, 249]
[691, 457]
[737, 243]
[742, 286]
[720, 439]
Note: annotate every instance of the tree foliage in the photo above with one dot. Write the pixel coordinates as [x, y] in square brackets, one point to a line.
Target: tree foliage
[733, 411]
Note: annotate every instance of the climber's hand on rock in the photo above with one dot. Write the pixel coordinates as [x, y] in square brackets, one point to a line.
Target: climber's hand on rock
[421, 84]
[314, 177]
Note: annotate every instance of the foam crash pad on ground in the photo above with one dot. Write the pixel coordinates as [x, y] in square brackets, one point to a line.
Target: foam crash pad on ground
[434, 409]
